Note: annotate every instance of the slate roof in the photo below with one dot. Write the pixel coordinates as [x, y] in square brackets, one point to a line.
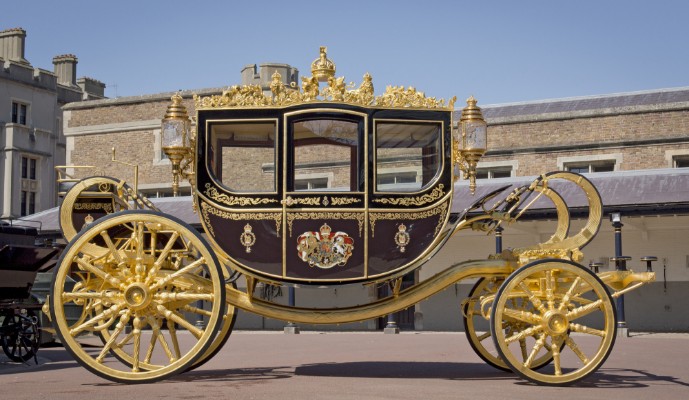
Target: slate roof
[645, 192]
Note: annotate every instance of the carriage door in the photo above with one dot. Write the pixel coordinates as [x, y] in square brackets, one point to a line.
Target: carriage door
[323, 196]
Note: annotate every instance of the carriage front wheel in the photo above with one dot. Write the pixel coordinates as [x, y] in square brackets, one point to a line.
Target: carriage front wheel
[566, 308]
[148, 292]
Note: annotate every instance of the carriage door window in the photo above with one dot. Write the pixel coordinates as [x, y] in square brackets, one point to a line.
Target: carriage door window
[242, 156]
[325, 155]
[407, 155]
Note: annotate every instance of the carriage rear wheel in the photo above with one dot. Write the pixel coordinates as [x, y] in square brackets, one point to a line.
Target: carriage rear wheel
[20, 337]
[149, 286]
[572, 316]
[477, 327]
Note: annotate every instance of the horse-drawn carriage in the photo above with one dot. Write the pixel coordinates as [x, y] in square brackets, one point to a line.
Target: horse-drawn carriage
[323, 186]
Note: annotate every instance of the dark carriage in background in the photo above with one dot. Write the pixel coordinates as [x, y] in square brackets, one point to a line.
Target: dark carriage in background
[21, 259]
[326, 184]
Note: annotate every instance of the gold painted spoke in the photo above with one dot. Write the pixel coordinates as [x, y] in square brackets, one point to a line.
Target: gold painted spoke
[173, 336]
[207, 313]
[575, 348]
[125, 340]
[161, 258]
[585, 329]
[182, 297]
[556, 357]
[111, 246]
[124, 319]
[584, 310]
[484, 336]
[540, 343]
[549, 289]
[85, 265]
[524, 334]
[566, 298]
[180, 320]
[157, 335]
[532, 298]
[523, 316]
[189, 269]
[522, 346]
[138, 324]
[104, 295]
[105, 315]
[139, 269]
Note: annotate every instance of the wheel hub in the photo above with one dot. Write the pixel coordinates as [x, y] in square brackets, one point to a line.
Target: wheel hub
[137, 296]
[555, 323]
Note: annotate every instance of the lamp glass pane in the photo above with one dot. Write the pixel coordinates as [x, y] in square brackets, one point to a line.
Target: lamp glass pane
[173, 133]
[475, 135]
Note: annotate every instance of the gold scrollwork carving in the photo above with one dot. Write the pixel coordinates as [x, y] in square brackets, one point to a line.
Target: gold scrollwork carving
[336, 91]
[208, 210]
[343, 201]
[358, 216]
[307, 201]
[437, 193]
[107, 207]
[439, 210]
[213, 193]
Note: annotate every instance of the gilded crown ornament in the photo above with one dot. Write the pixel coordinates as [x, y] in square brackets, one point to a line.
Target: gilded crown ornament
[335, 90]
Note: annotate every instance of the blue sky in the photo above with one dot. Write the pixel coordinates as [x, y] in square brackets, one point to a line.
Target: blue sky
[498, 51]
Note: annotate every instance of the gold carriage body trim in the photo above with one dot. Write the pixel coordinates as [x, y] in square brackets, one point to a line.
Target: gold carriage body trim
[437, 193]
[213, 193]
[207, 210]
[107, 207]
[359, 216]
[440, 210]
[342, 201]
[337, 90]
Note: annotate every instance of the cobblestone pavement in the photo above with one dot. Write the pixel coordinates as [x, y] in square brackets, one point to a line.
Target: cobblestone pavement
[317, 365]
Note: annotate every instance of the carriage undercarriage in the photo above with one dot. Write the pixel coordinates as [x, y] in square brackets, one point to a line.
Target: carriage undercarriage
[162, 299]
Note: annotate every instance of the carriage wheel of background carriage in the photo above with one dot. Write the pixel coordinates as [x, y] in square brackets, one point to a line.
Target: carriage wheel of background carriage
[477, 327]
[566, 299]
[20, 338]
[229, 319]
[140, 291]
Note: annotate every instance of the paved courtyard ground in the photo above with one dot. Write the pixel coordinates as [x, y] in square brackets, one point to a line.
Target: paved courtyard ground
[316, 365]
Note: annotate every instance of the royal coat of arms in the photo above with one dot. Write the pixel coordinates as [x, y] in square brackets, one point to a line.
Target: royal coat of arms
[325, 249]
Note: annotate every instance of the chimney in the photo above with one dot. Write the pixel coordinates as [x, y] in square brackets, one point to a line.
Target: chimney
[92, 88]
[66, 69]
[12, 45]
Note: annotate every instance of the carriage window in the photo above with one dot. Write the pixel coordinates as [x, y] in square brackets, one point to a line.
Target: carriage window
[325, 155]
[407, 155]
[242, 155]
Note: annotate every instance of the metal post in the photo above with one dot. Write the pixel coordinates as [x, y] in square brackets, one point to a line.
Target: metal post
[498, 239]
[391, 327]
[291, 327]
[620, 265]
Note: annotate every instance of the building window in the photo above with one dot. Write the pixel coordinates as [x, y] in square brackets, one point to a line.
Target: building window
[30, 185]
[399, 180]
[314, 183]
[680, 161]
[494, 172]
[590, 166]
[19, 112]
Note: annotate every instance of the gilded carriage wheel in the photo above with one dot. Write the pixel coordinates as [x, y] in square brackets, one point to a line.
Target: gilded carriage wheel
[143, 292]
[477, 327]
[573, 314]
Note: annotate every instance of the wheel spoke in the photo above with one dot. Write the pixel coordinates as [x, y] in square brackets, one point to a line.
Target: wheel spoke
[166, 297]
[532, 298]
[566, 298]
[124, 319]
[523, 334]
[173, 336]
[137, 343]
[186, 270]
[111, 246]
[523, 316]
[483, 337]
[575, 348]
[85, 265]
[540, 343]
[585, 329]
[107, 314]
[158, 334]
[522, 346]
[207, 313]
[163, 255]
[556, 357]
[549, 289]
[180, 320]
[584, 310]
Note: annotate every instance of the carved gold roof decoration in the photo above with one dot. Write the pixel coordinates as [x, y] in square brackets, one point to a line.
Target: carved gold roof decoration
[336, 90]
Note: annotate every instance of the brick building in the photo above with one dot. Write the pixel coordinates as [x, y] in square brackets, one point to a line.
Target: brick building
[634, 146]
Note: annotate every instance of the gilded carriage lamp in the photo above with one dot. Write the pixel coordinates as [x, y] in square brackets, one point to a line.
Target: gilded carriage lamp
[175, 133]
[470, 141]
